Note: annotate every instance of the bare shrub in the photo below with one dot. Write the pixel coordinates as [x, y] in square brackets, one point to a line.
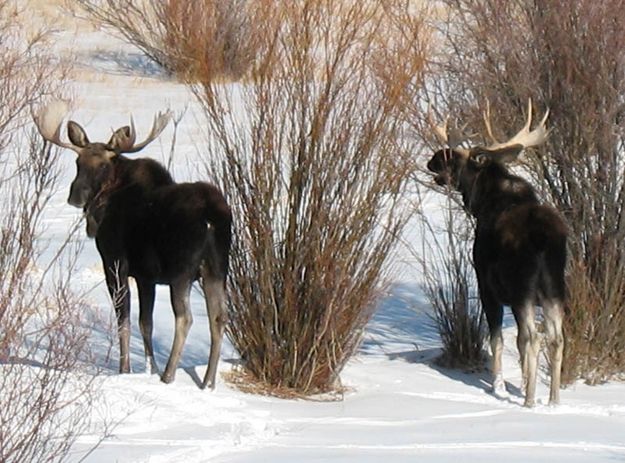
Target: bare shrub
[45, 382]
[451, 287]
[44, 388]
[199, 39]
[311, 155]
[568, 56]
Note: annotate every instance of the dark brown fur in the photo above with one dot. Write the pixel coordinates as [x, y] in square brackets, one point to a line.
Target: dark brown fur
[519, 255]
[157, 231]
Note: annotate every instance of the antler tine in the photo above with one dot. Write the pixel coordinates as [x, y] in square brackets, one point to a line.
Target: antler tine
[440, 131]
[49, 120]
[486, 117]
[457, 136]
[132, 137]
[160, 122]
[529, 114]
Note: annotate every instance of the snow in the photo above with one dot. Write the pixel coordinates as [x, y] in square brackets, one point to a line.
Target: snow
[398, 405]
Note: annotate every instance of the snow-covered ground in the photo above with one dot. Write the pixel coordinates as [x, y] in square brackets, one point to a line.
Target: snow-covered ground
[399, 405]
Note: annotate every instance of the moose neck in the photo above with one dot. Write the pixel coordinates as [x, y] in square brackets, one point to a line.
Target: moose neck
[143, 173]
[107, 187]
[489, 190]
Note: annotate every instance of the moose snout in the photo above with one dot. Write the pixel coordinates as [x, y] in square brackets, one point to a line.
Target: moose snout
[77, 195]
[441, 179]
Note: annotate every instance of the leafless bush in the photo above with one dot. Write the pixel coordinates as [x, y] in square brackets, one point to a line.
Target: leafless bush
[311, 155]
[450, 286]
[197, 39]
[43, 341]
[45, 386]
[568, 56]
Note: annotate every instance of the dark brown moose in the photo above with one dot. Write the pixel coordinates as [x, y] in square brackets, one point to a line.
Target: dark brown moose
[148, 227]
[519, 251]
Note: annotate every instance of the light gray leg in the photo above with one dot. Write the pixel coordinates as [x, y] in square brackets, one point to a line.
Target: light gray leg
[215, 295]
[554, 314]
[179, 293]
[496, 346]
[528, 342]
[494, 316]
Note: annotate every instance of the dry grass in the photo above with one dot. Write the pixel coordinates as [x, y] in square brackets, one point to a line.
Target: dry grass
[244, 381]
[194, 41]
[53, 14]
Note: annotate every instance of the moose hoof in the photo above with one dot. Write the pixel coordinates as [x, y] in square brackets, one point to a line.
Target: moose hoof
[499, 388]
[167, 378]
[529, 403]
[152, 367]
[210, 386]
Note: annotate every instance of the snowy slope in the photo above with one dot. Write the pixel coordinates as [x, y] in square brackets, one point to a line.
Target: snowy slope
[399, 405]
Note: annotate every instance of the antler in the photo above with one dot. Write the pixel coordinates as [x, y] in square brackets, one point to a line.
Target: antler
[124, 140]
[48, 121]
[525, 137]
[452, 138]
[440, 131]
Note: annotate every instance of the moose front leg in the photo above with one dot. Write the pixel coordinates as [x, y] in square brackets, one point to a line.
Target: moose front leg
[117, 283]
[494, 316]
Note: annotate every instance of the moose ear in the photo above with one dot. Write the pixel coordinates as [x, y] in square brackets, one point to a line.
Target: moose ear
[77, 134]
[118, 137]
[481, 158]
[504, 155]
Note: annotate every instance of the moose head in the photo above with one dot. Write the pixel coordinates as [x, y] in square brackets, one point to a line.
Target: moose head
[95, 162]
[457, 166]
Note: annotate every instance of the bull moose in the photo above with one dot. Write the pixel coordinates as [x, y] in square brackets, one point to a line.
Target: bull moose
[519, 251]
[150, 228]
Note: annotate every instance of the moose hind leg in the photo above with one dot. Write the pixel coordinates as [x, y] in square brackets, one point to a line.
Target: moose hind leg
[146, 310]
[214, 293]
[179, 293]
[494, 317]
[528, 342]
[554, 313]
[496, 346]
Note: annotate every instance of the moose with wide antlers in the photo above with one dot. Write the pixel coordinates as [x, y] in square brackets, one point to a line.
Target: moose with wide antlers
[519, 251]
[148, 227]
